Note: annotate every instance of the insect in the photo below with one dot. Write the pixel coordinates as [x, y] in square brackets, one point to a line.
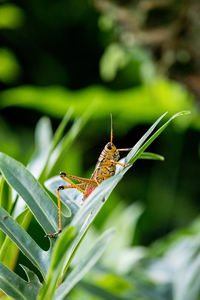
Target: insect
[105, 168]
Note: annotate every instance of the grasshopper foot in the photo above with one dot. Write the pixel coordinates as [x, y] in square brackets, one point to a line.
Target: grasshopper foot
[53, 235]
[63, 174]
[127, 165]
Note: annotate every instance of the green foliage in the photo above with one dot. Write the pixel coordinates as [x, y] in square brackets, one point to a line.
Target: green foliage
[57, 265]
[16, 287]
[11, 16]
[9, 68]
[143, 103]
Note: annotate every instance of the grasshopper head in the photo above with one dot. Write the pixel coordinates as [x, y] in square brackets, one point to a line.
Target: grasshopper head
[110, 147]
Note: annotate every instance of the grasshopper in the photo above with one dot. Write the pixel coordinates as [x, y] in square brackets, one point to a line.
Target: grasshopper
[105, 168]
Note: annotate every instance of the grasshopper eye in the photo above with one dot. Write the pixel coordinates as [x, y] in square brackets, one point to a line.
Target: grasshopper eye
[109, 146]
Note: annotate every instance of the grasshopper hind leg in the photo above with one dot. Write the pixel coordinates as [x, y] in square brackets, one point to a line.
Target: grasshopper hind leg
[60, 188]
[79, 186]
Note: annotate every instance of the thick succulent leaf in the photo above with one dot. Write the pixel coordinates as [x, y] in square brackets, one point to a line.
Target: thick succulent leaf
[57, 263]
[14, 286]
[84, 265]
[31, 191]
[25, 243]
[149, 155]
[72, 198]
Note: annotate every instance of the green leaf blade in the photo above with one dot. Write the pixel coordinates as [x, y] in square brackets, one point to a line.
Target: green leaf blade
[84, 265]
[14, 286]
[60, 150]
[57, 263]
[11, 284]
[31, 191]
[143, 138]
[25, 243]
[9, 251]
[43, 137]
[59, 131]
[153, 156]
[137, 154]
[71, 198]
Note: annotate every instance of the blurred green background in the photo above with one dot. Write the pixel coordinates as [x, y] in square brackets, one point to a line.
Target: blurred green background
[134, 59]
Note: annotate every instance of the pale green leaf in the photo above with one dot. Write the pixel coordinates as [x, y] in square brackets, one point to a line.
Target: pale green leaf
[31, 191]
[57, 263]
[149, 155]
[84, 265]
[25, 243]
[14, 286]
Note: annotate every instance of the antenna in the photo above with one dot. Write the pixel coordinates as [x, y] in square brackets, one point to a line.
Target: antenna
[111, 134]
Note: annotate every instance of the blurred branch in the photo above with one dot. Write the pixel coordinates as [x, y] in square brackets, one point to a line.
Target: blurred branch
[170, 28]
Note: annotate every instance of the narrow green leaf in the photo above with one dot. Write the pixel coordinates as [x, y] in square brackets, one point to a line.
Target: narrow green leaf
[5, 201]
[137, 153]
[186, 285]
[143, 138]
[25, 243]
[9, 251]
[102, 293]
[71, 198]
[180, 263]
[33, 285]
[59, 251]
[56, 139]
[60, 130]
[62, 147]
[57, 263]
[125, 220]
[88, 211]
[43, 138]
[14, 286]
[86, 214]
[149, 155]
[31, 191]
[84, 265]
[5, 195]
